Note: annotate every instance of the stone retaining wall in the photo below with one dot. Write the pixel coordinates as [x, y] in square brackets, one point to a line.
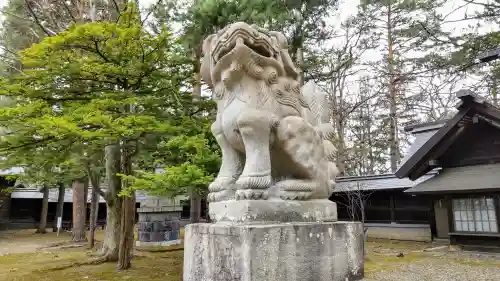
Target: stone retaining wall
[405, 232]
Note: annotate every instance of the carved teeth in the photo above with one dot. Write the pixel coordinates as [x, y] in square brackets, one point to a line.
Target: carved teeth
[239, 41]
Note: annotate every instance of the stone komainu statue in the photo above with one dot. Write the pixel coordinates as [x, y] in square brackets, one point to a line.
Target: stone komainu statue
[274, 139]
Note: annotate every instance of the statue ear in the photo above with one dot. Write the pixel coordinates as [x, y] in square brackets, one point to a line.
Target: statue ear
[206, 63]
[207, 44]
[285, 56]
[280, 38]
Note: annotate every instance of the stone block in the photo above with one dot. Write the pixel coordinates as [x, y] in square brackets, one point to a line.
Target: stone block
[326, 251]
[158, 244]
[155, 229]
[159, 209]
[273, 211]
[144, 236]
[158, 236]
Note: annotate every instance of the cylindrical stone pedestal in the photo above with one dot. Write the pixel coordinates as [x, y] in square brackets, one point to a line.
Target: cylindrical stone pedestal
[298, 251]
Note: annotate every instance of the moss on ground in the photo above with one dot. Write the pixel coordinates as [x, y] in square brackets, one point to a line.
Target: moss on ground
[377, 263]
[39, 263]
[165, 266]
[165, 263]
[487, 263]
[152, 263]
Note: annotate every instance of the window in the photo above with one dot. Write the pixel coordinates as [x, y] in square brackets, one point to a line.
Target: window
[475, 215]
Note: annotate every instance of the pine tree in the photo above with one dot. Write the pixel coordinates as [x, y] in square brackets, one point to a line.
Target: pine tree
[399, 25]
[95, 85]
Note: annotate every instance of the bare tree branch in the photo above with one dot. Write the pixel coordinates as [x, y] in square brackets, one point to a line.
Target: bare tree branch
[37, 20]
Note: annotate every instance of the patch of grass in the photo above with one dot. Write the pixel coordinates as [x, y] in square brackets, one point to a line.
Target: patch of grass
[488, 263]
[159, 263]
[21, 264]
[32, 237]
[398, 245]
[49, 264]
[160, 249]
[378, 263]
[165, 266]
[29, 235]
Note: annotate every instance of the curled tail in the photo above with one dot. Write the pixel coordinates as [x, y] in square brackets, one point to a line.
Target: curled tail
[326, 131]
[318, 115]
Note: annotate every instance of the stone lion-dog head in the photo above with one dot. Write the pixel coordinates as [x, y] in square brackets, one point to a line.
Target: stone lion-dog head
[241, 51]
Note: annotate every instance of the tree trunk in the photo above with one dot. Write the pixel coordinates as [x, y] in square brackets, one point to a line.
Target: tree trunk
[127, 233]
[127, 215]
[393, 126]
[365, 229]
[45, 209]
[112, 232]
[79, 210]
[60, 206]
[300, 65]
[341, 147]
[113, 204]
[299, 51]
[94, 209]
[195, 208]
[195, 201]
[494, 93]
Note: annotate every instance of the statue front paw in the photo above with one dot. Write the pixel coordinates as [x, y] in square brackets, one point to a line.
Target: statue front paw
[253, 187]
[224, 195]
[220, 184]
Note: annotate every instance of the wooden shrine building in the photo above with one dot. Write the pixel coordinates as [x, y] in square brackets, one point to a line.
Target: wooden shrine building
[464, 151]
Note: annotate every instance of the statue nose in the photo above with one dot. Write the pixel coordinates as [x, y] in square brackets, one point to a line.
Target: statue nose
[239, 40]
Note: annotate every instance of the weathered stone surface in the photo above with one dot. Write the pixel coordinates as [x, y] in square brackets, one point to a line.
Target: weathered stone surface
[408, 232]
[158, 244]
[157, 215]
[158, 226]
[270, 197]
[274, 252]
[273, 211]
[159, 202]
[273, 134]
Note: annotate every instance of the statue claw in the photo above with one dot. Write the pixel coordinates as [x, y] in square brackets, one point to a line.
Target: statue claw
[251, 194]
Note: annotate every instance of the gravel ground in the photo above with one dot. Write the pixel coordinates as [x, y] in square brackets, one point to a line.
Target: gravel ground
[441, 266]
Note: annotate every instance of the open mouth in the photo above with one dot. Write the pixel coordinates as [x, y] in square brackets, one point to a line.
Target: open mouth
[227, 46]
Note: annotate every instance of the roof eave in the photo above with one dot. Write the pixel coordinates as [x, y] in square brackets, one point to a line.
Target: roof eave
[419, 157]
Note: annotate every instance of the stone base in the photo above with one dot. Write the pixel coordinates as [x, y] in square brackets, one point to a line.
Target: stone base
[157, 228]
[330, 251]
[273, 211]
[158, 244]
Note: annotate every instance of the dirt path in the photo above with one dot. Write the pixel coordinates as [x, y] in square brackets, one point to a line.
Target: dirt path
[7, 248]
[27, 241]
[406, 261]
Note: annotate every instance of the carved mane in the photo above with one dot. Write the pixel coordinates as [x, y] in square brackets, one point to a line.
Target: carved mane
[279, 72]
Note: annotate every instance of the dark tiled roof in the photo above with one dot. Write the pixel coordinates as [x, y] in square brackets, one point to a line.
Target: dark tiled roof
[417, 163]
[422, 133]
[421, 137]
[467, 178]
[378, 182]
[425, 126]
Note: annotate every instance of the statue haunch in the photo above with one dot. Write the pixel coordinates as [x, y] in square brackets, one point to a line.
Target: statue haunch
[274, 139]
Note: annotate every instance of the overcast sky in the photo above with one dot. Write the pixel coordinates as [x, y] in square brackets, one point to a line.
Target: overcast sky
[348, 7]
